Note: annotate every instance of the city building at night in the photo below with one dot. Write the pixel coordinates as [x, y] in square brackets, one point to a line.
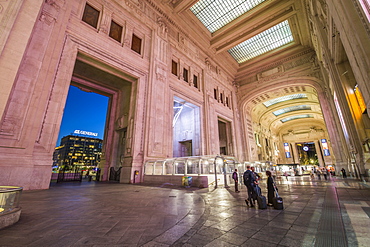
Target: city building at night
[79, 151]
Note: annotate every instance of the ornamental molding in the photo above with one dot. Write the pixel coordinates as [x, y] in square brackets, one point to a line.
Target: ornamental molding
[47, 18]
[162, 28]
[50, 11]
[57, 4]
[282, 67]
[136, 5]
[161, 73]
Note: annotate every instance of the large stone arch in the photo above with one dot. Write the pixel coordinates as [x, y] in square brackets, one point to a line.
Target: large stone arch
[124, 142]
[254, 93]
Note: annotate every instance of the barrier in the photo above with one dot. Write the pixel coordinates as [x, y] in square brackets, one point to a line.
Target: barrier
[9, 205]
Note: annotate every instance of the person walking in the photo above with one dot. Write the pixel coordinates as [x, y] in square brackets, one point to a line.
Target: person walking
[318, 172]
[286, 175]
[270, 188]
[249, 182]
[344, 174]
[236, 180]
[325, 173]
[312, 174]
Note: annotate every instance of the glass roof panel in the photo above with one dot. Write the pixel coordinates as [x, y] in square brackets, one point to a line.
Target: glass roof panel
[214, 14]
[296, 117]
[266, 41]
[292, 108]
[285, 98]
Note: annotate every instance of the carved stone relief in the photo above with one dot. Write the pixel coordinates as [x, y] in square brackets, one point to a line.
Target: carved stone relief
[51, 11]
[136, 5]
[161, 73]
[121, 122]
[270, 72]
[105, 23]
[162, 28]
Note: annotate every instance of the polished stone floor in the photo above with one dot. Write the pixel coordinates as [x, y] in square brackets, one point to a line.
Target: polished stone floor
[317, 213]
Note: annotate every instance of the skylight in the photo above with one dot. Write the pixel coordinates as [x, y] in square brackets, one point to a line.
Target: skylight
[266, 41]
[214, 14]
[296, 117]
[292, 108]
[285, 98]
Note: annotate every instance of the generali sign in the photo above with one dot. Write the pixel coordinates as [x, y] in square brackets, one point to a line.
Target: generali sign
[84, 132]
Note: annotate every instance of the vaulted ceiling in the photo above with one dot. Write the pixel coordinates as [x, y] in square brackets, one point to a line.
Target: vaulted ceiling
[251, 34]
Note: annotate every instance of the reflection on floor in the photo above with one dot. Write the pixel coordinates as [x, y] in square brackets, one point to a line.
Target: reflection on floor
[112, 214]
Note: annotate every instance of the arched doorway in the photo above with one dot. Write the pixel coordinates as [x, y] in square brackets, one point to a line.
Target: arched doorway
[93, 76]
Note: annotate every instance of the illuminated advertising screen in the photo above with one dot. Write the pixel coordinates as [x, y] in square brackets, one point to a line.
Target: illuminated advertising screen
[287, 150]
[360, 99]
[325, 147]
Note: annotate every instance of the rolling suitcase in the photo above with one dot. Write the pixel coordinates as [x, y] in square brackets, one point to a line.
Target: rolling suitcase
[277, 201]
[261, 200]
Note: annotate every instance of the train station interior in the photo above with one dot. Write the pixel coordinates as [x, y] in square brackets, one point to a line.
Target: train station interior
[195, 89]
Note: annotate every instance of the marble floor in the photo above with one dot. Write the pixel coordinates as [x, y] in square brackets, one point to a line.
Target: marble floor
[317, 213]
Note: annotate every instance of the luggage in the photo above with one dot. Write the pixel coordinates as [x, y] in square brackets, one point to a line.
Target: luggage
[256, 192]
[277, 201]
[261, 200]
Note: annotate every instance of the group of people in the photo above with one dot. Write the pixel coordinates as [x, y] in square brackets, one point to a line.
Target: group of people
[251, 178]
[324, 172]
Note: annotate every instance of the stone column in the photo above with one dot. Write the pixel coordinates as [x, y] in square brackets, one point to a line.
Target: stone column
[318, 149]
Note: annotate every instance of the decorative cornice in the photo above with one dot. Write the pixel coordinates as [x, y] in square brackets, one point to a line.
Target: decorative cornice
[282, 67]
[138, 7]
[364, 20]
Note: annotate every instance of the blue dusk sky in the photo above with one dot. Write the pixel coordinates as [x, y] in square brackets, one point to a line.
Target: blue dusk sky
[84, 111]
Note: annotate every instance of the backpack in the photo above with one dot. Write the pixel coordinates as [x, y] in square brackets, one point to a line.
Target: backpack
[247, 177]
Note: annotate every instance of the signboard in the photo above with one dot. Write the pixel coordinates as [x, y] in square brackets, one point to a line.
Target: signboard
[325, 147]
[287, 150]
[84, 132]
